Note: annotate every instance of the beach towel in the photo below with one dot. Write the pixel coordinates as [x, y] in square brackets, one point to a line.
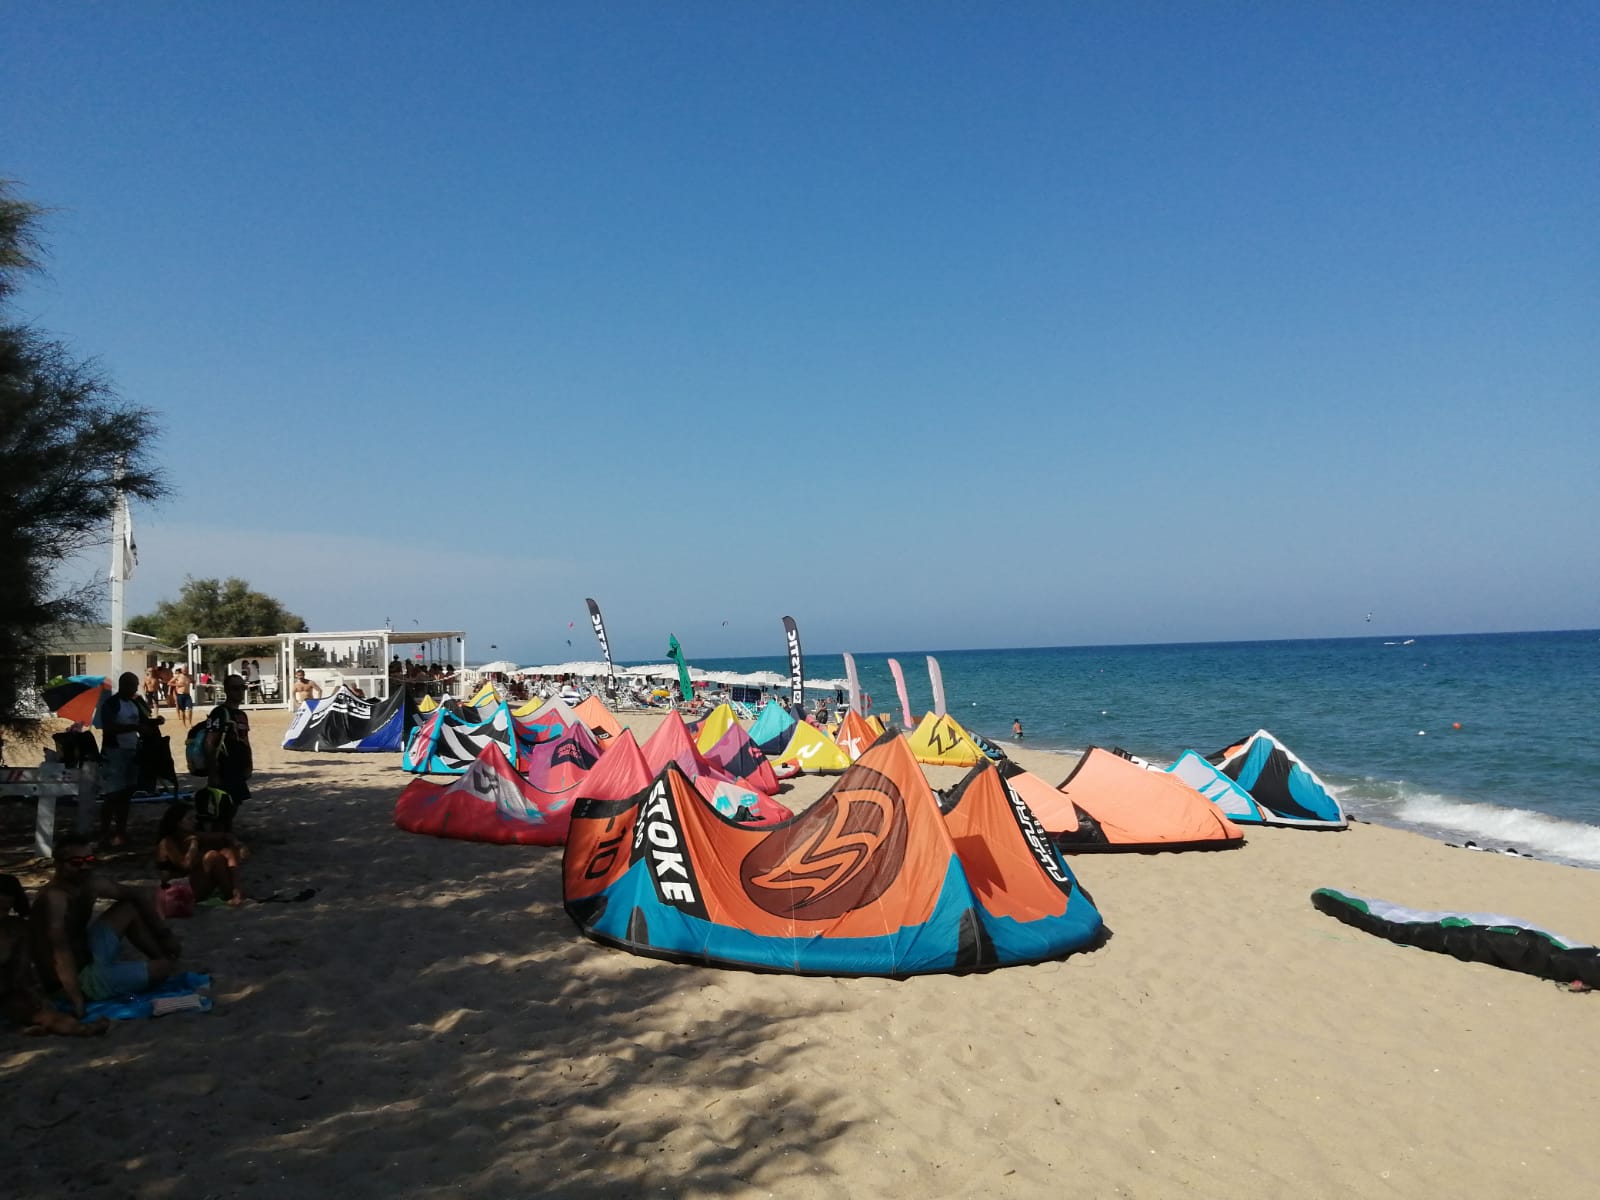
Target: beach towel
[180, 993]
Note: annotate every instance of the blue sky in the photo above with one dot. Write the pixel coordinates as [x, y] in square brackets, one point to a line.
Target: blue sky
[935, 325]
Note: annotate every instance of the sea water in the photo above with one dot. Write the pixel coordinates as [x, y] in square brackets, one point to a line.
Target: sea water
[1375, 717]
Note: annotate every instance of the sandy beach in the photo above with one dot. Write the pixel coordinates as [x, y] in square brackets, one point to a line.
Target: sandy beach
[431, 1024]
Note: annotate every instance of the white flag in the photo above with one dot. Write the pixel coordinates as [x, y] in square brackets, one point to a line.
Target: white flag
[125, 554]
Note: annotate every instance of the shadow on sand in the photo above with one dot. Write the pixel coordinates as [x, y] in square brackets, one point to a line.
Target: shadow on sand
[431, 1023]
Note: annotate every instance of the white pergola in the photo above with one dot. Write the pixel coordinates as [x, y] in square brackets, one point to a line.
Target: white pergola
[368, 652]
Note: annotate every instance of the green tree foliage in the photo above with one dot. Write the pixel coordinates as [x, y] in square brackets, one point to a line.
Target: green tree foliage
[219, 608]
[67, 442]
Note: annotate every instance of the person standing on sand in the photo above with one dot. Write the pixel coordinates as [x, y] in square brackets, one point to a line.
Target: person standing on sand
[121, 716]
[305, 689]
[182, 696]
[81, 954]
[229, 762]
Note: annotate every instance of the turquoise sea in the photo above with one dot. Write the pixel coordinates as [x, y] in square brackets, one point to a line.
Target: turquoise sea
[1375, 717]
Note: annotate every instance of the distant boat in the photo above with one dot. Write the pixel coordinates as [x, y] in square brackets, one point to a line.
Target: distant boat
[1409, 642]
[1391, 643]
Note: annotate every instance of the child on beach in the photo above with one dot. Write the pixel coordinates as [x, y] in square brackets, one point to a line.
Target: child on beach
[209, 861]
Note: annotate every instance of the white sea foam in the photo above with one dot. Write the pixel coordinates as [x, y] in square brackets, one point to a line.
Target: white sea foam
[1497, 827]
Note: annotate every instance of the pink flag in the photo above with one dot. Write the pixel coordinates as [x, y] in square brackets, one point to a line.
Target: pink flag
[900, 685]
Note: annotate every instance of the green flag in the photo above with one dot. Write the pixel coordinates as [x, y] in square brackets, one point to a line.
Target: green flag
[675, 653]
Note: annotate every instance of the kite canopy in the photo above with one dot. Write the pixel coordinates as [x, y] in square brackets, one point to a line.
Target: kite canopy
[1508, 942]
[872, 880]
[489, 803]
[543, 720]
[1112, 803]
[557, 768]
[448, 742]
[620, 772]
[1288, 792]
[1236, 803]
[602, 722]
[939, 741]
[812, 751]
[854, 735]
[736, 754]
[671, 743]
[772, 728]
[346, 721]
[709, 730]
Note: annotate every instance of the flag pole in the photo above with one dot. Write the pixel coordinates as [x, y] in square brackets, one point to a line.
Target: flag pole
[119, 534]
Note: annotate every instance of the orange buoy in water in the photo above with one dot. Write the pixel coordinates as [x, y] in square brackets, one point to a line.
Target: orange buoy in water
[1455, 725]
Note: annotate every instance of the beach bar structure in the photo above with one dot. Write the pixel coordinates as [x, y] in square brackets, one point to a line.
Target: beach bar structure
[360, 657]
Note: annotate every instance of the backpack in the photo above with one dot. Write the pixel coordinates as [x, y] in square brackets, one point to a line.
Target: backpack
[194, 750]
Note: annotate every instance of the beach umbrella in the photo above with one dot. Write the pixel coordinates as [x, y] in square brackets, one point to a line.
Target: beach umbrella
[77, 697]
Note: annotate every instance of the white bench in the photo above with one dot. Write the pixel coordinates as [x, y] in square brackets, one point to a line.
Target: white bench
[47, 786]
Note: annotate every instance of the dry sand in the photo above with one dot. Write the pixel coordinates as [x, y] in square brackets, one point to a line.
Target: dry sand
[431, 1024]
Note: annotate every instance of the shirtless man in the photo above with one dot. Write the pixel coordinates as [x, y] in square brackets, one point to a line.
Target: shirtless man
[304, 689]
[21, 999]
[152, 690]
[79, 953]
[183, 696]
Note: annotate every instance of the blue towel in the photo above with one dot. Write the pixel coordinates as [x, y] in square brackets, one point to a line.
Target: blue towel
[139, 1005]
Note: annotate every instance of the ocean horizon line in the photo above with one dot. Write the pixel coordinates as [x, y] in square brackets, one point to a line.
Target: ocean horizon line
[779, 653]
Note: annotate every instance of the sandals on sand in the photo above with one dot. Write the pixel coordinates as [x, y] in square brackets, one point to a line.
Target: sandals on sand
[279, 898]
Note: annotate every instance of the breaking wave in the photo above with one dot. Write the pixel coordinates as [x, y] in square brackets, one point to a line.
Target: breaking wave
[1493, 826]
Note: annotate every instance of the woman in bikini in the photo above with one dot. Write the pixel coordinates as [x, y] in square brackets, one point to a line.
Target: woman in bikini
[209, 861]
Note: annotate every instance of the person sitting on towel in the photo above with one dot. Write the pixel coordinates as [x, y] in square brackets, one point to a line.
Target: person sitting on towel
[21, 998]
[81, 954]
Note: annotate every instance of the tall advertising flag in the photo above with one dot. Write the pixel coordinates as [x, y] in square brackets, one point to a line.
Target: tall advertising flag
[936, 678]
[675, 653]
[900, 686]
[854, 683]
[797, 666]
[600, 636]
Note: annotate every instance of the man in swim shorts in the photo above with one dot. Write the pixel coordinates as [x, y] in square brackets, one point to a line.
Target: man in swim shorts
[183, 696]
[81, 954]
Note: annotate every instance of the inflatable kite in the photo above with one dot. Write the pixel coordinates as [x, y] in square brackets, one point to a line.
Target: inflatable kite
[1472, 937]
[489, 803]
[1288, 792]
[940, 741]
[1110, 802]
[872, 880]
[1238, 805]
[450, 741]
[346, 721]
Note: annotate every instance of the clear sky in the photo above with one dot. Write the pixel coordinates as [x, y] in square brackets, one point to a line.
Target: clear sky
[939, 325]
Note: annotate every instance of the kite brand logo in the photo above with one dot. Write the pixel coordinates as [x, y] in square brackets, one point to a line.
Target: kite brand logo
[1038, 840]
[842, 855]
[797, 685]
[941, 731]
[599, 630]
[658, 839]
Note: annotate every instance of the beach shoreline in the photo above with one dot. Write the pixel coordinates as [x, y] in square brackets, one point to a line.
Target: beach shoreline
[431, 1024]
